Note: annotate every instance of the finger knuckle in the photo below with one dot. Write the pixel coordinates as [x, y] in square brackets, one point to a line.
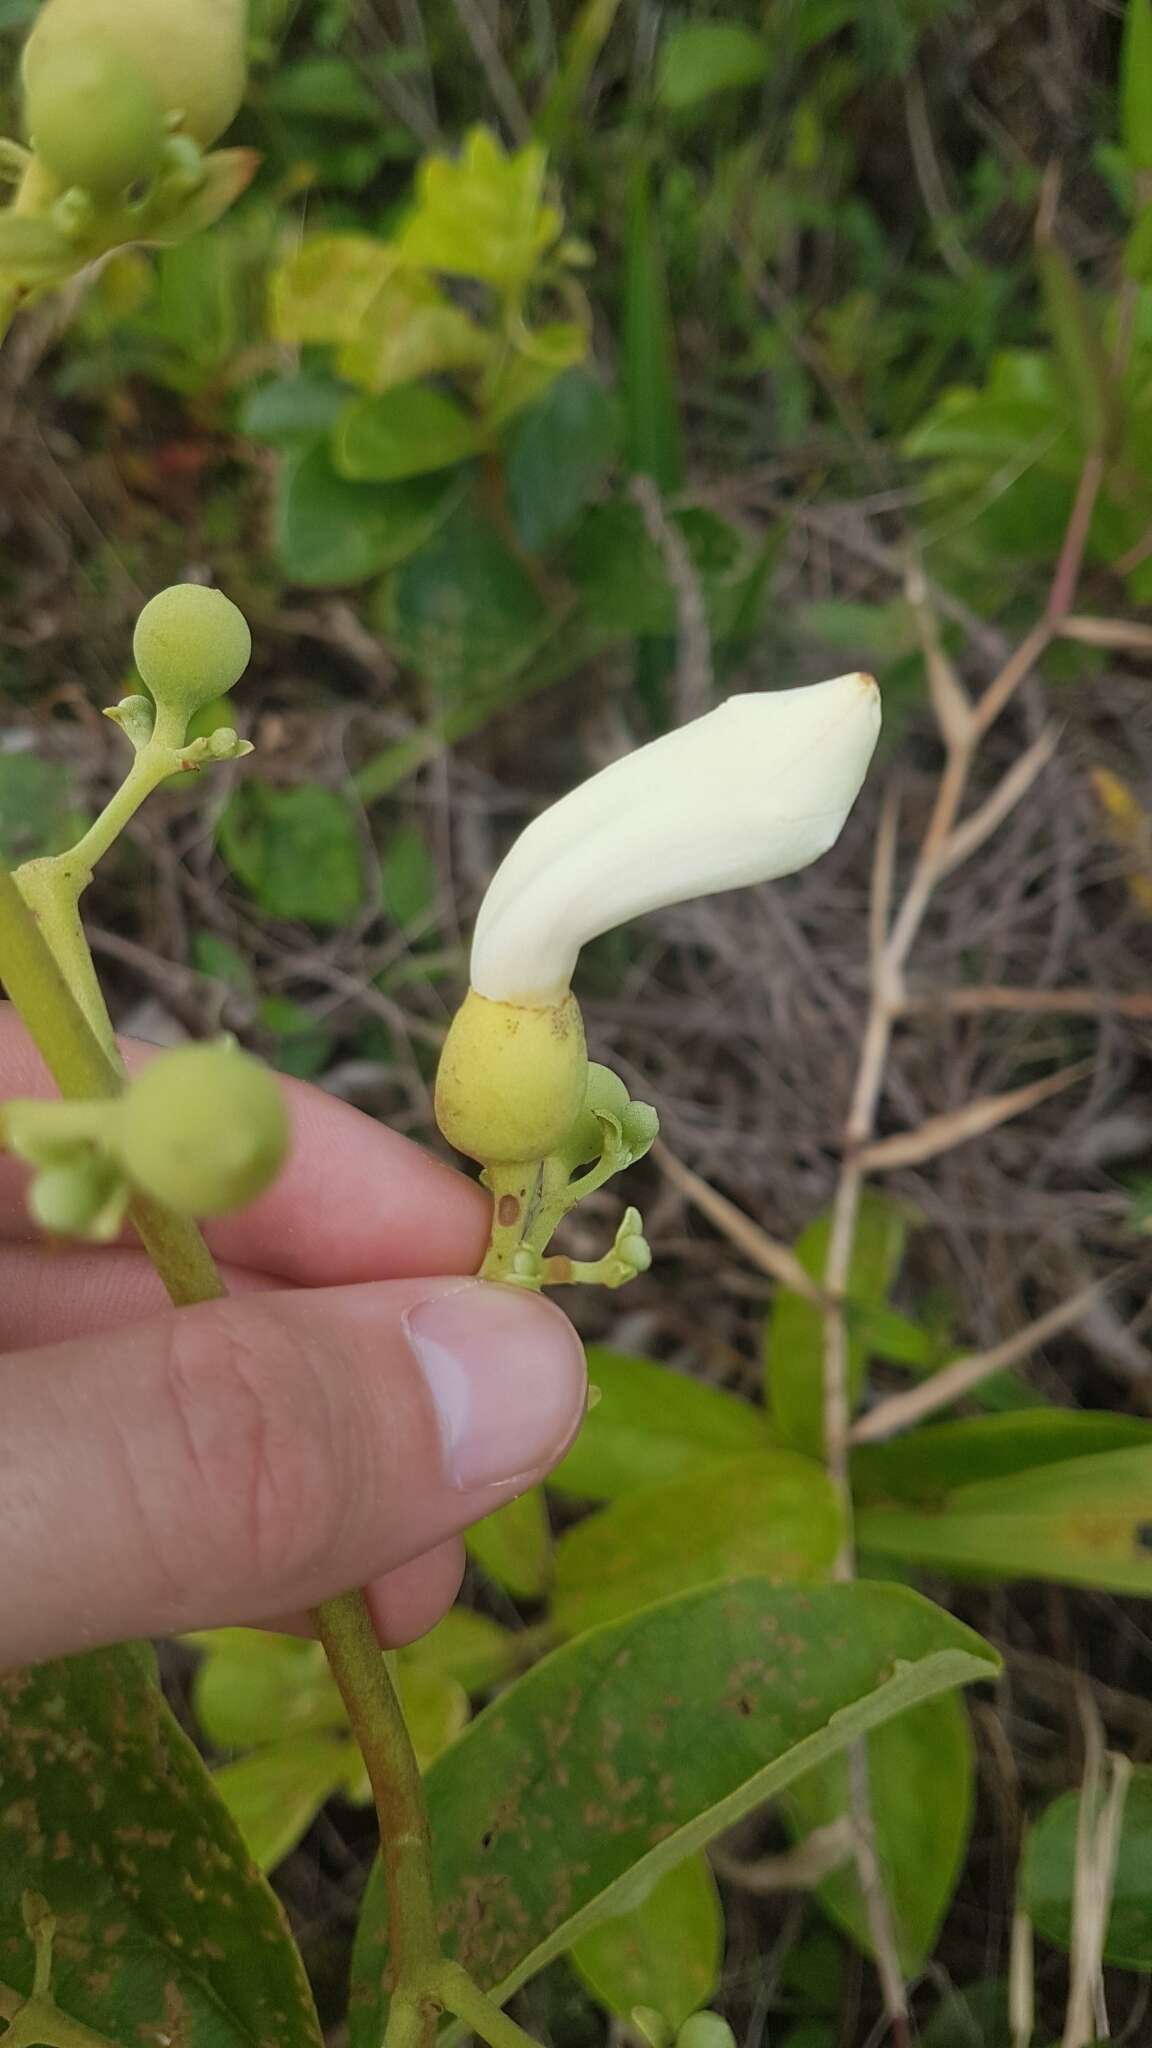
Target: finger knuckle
[260, 1450]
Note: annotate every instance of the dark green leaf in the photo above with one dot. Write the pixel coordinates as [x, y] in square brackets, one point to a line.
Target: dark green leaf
[650, 1424]
[558, 452]
[407, 876]
[920, 1777]
[107, 1812]
[333, 531]
[299, 408]
[36, 811]
[324, 89]
[390, 436]
[622, 577]
[976, 2017]
[794, 1332]
[462, 610]
[514, 1546]
[1049, 1868]
[929, 1463]
[631, 1748]
[769, 1512]
[662, 1949]
[707, 57]
[297, 850]
[1085, 1521]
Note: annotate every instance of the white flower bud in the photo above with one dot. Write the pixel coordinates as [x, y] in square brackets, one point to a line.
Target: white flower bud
[754, 790]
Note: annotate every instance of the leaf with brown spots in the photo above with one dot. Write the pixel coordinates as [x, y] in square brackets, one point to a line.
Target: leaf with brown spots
[1080, 1522]
[165, 1931]
[633, 1746]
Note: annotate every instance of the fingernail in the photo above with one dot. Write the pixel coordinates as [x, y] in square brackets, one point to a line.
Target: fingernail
[505, 1371]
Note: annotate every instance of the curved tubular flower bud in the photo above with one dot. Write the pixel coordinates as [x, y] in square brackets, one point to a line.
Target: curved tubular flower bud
[754, 790]
[191, 52]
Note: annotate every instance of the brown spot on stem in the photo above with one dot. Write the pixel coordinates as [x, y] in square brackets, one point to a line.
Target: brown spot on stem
[508, 1211]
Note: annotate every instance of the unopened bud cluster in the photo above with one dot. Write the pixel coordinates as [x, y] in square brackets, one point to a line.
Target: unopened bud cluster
[203, 1129]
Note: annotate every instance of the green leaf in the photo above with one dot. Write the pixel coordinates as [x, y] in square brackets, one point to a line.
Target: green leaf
[622, 577]
[289, 410]
[975, 2017]
[254, 1687]
[435, 1707]
[407, 876]
[470, 1648]
[708, 57]
[404, 432]
[631, 1748]
[514, 1546]
[410, 330]
[768, 1512]
[1084, 1522]
[297, 850]
[558, 453]
[929, 1463]
[107, 1811]
[37, 815]
[275, 1794]
[324, 292]
[463, 611]
[484, 216]
[662, 1949]
[521, 376]
[333, 531]
[920, 1770]
[323, 89]
[652, 432]
[794, 1332]
[1049, 1869]
[651, 1424]
[1136, 85]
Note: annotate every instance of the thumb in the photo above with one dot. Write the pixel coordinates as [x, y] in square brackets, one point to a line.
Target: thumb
[256, 1456]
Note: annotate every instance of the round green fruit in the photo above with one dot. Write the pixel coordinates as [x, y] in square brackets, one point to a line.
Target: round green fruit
[204, 1129]
[94, 120]
[191, 53]
[191, 645]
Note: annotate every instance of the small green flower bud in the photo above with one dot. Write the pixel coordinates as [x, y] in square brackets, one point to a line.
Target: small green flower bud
[84, 1199]
[640, 1126]
[191, 645]
[511, 1078]
[204, 1129]
[605, 1096]
[191, 53]
[705, 2030]
[93, 118]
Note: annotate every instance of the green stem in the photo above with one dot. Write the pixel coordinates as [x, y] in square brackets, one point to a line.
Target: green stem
[84, 1071]
[39, 2023]
[465, 2001]
[360, 1669]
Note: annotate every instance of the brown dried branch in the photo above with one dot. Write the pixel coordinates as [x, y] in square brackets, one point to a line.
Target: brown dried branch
[956, 1126]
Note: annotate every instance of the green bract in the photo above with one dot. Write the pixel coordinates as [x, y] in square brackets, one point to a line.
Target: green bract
[204, 1129]
[191, 645]
[189, 52]
[94, 119]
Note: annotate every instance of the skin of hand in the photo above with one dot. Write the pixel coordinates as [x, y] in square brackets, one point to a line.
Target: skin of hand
[337, 1422]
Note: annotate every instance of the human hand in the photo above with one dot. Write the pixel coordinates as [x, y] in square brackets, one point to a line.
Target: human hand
[336, 1422]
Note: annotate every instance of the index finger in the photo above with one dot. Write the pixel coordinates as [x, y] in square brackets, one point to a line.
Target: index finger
[354, 1202]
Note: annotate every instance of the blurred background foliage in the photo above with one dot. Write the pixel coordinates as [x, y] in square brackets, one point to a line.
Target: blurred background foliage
[565, 366]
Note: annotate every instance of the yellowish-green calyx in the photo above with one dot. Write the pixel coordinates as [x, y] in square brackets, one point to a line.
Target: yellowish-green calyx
[512, 1078]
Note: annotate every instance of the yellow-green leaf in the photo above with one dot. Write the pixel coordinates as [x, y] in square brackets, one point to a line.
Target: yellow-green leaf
[650, 1424]
[514, 1546]
[662, 1949]
[483, 215]
[770, 1512]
